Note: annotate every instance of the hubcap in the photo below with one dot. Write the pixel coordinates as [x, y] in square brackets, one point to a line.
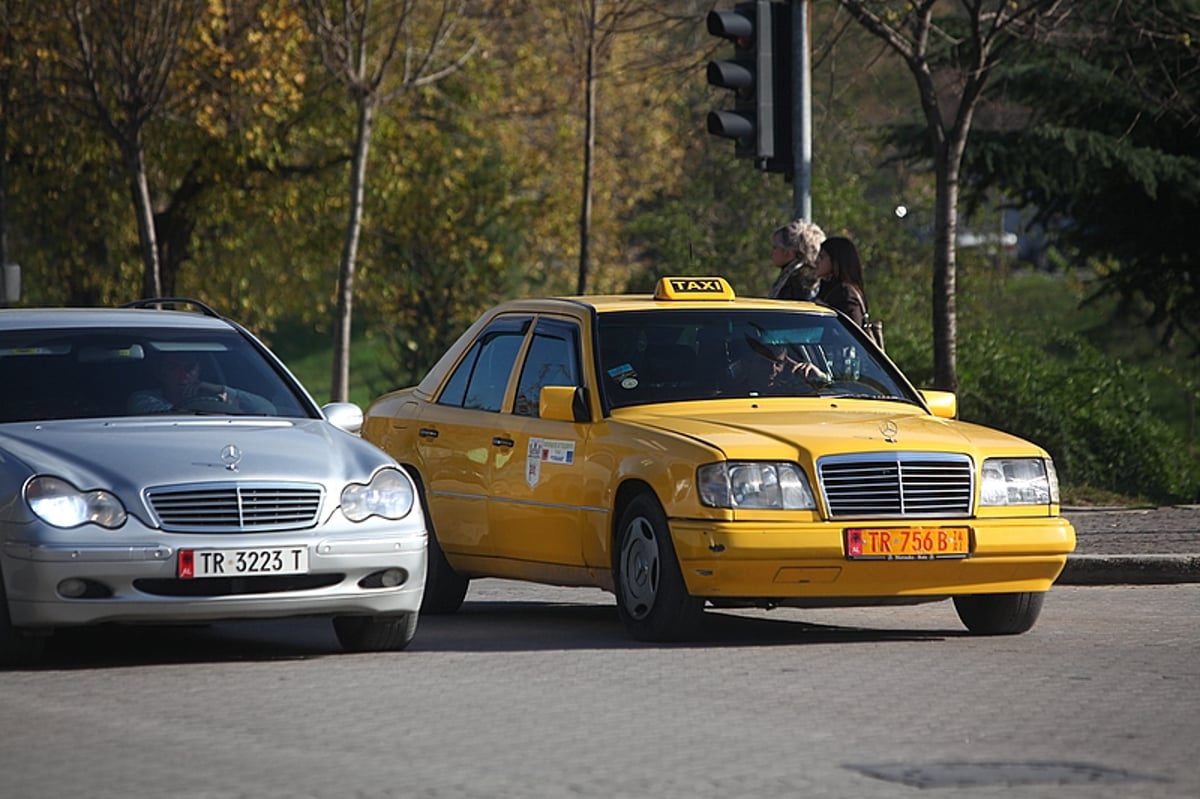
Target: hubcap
[639, 568]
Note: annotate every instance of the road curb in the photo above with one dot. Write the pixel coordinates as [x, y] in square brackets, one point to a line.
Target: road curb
[1130, 570]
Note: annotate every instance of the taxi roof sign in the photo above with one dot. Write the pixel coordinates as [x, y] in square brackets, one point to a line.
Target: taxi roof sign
[693, 288]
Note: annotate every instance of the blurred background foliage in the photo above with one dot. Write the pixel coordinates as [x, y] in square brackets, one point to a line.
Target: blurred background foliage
[474, 196]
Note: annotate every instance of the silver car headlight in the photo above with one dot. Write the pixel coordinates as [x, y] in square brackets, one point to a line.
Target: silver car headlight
[1018, 481]
[60, 504]
[389, 494]
[754, 484]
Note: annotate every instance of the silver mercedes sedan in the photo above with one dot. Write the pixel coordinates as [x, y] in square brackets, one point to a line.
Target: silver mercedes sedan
[159, 464]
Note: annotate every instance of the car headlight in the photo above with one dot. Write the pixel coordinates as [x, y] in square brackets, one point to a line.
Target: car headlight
[60, 504]
[389, 494]
[752, 484]
[1018, 481]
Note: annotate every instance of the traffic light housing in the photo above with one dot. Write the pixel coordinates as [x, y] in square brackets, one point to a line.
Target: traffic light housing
[760, 75]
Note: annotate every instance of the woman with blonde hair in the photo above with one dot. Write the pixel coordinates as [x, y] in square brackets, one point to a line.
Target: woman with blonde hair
[794, 250]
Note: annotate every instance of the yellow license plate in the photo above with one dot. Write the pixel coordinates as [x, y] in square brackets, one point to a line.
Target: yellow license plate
[907, 543]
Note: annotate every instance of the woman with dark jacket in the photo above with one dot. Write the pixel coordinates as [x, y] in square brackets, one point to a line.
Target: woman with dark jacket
[794, 250]
[841, 274]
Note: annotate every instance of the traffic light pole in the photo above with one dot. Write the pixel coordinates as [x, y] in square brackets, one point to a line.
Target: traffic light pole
[770, 76]
[801, 112]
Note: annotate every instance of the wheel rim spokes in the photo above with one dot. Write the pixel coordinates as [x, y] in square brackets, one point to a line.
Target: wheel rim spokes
[639, 569]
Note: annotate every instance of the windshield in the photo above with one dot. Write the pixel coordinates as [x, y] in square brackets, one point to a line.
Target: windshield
[72, 374]
[677, 356]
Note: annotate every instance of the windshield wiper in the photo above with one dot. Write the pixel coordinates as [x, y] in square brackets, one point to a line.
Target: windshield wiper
[866, 396]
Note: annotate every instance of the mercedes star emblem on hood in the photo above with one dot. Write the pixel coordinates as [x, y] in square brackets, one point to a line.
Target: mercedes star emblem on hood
[231, 456]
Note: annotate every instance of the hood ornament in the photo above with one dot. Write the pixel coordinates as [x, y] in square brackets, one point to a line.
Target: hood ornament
[889, 431]
[231, 456]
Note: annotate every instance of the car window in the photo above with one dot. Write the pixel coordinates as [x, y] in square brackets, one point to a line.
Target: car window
[649, 356]
[552, 360]
[481, 378]
[63, 374]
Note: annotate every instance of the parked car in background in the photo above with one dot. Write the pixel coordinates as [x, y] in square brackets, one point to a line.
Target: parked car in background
[161, 465]
[691, 449]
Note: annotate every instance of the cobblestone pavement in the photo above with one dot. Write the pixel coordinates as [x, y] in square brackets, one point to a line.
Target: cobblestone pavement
[1172, 530]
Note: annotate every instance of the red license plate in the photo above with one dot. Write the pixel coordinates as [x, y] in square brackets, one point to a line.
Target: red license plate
[907, 543]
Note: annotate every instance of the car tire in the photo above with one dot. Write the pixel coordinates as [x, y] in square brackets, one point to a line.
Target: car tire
[17, 648]
[375, 633]
[652, 600]
[445, 588]
[999, 614]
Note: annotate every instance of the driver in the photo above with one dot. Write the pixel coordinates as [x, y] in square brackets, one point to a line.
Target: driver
[180, 384]
[781, 370]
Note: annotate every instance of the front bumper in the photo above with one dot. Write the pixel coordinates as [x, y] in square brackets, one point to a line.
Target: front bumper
[764, 561]
[136, 582]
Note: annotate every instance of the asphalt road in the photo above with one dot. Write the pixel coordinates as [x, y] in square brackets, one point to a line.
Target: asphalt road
[536, 693]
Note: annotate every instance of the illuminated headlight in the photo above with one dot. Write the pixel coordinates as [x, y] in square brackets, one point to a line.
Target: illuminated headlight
[1018, 481]
[389, 494]
[737, 485]
[58, 503]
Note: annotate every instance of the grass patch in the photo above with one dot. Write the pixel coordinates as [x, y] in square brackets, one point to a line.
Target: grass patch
[309, 355]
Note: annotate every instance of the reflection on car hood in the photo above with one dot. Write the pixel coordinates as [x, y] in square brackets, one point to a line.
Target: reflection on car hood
[780, 429]
[125, 456]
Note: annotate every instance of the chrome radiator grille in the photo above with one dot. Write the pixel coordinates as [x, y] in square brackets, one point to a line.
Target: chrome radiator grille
[236, 507]
[905, 484]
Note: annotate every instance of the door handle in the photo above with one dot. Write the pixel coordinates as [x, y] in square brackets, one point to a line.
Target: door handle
[427, 432]
[500, 441]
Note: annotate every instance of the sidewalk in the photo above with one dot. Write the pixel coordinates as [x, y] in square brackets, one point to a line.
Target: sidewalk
[1136, 546]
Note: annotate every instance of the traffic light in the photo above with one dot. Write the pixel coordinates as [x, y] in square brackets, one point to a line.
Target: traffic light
[760, 76]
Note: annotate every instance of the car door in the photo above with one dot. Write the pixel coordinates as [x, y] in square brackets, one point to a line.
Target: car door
[457, 437]
[535, 512]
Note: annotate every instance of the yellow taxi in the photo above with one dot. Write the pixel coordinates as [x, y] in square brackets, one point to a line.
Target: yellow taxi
[692, 449]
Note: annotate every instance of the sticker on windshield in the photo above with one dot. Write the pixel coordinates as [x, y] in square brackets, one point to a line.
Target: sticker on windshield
[545, 450]
[625, 376]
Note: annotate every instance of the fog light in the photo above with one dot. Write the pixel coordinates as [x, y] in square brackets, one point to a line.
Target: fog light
[72, 588]
[386, 578]
[79, 588]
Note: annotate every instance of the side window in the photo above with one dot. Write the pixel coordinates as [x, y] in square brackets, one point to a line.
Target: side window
[456, 386]
[479, 381]
[553, 360]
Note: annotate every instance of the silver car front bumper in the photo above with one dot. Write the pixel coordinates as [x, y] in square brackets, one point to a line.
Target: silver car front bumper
[137, 582]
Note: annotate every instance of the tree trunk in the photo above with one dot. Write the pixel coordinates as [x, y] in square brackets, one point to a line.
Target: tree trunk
[151, 276]
[945, 312]
[589, 148]
[339, 390]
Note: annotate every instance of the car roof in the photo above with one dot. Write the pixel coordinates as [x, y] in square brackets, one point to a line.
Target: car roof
[84, 318]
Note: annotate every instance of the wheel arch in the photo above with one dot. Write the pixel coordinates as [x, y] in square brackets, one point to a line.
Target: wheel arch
[626, 491]
[445, 588]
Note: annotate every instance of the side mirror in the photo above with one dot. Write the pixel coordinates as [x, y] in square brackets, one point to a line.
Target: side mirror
[942, 404]
[344, 415]
[564, 404]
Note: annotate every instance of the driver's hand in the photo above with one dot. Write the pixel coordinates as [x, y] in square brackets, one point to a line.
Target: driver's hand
[213, 390]
[810, 372]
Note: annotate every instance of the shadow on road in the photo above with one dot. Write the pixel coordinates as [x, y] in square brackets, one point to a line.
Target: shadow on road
[534, 626]
[480, 626]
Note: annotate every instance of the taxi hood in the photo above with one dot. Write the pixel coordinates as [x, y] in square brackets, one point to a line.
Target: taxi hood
[790, 429]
